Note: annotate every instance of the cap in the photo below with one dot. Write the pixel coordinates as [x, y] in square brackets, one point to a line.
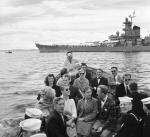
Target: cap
[125, 99]
[39, 135]
[33, 112]
[31, 124]
[146, 101]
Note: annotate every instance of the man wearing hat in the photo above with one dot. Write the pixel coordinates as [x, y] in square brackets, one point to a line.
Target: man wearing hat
[56, 124]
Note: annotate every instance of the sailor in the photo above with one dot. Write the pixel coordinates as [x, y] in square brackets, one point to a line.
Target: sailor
[39, 135]
[30, 126]
[146, 125]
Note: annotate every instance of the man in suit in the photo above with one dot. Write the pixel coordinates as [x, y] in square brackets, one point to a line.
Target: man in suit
[98, 80]
[123, 88]
[105, 123]
[56, 124]
[87, 72]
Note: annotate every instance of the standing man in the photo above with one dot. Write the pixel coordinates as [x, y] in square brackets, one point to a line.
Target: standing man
[98, 80]
[56, 124]
[70, 63]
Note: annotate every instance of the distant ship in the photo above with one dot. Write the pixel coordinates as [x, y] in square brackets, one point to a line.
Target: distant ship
[129, 41]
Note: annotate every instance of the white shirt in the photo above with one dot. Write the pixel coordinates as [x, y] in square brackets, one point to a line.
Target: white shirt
[103, 102]
[70, 66]
[70, 107]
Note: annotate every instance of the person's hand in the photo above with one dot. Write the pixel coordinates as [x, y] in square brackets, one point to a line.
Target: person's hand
[80, 119]
[99, 129]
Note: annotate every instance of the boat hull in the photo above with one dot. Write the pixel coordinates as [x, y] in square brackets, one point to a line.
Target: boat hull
[76, 48]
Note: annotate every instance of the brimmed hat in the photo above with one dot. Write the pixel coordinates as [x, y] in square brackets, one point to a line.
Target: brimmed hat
[33, 112]
[39, 135]
[146, 101]
[31, 124]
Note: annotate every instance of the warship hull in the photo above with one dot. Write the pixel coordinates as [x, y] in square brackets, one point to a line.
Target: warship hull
[76, 48]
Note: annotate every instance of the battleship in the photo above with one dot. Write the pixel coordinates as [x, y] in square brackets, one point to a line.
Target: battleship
[129, 41]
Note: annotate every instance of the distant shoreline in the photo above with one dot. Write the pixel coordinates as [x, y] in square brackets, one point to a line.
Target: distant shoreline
[19, 50]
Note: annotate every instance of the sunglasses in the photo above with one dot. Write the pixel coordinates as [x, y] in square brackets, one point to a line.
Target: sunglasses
[113, 71]
[127, 79]
[67, 89]
[81, 73]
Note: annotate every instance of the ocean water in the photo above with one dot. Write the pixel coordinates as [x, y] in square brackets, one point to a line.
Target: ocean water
[22, 74]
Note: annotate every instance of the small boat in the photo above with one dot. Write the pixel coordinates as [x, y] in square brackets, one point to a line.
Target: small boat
[9, 52]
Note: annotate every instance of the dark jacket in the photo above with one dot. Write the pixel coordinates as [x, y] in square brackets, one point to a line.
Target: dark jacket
[55, 126]
[121, 91]
[57, 90]
[132, 127]
[103, 81]
[75, 94]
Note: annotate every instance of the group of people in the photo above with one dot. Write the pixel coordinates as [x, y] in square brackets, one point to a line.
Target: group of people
[82, 105]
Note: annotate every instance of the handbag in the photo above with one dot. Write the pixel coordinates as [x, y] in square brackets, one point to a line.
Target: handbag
[84, 128]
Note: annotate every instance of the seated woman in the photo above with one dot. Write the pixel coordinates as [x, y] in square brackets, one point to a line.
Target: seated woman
[69, 111]
[81, 83]
[46, 100]
[87, 109]
[47, 94]
[50, 81]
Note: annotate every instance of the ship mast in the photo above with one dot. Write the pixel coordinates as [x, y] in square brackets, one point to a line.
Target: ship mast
[131, 17]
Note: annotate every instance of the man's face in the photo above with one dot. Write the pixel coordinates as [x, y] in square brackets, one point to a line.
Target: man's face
[59, 107]
[114, 71]
[84, 67]
[69, 56]
[127, 79]
[99, 73]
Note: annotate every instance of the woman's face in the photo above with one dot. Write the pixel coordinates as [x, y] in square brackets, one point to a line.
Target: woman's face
[50, 80]
[66, 91]
[88, 94]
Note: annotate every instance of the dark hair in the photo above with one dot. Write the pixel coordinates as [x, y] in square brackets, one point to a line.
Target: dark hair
[63, 71]
[100, 70]
[114, 68]
[133, 86]
[126, 74]
[46, 79]
[83, 64]
[104, 88]
[56, 100]
[69, 51]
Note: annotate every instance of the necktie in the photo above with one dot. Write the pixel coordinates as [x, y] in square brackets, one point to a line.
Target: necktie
[114, 78]
[127, 90]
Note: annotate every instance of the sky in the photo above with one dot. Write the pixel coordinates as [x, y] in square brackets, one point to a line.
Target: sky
[24, 22]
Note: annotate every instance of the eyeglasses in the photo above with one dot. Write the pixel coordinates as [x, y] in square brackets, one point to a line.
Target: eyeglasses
[67, 89]
[127, 79]
[113, 71]
[81, 73]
